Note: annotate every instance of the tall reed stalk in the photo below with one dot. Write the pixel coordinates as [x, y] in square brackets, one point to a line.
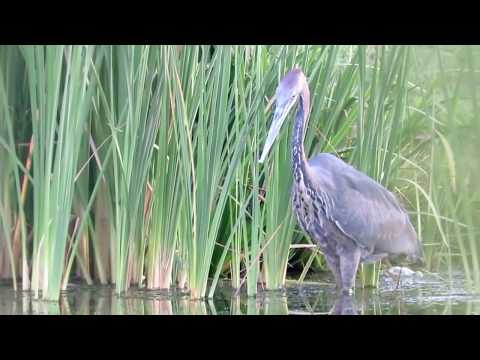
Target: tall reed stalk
[203, 111]
[59, 110]
[131, 99]
[14, 177]
[382, 108]
[167, 192]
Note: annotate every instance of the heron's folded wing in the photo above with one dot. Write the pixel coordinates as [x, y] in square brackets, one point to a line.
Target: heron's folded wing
[363, 209]
[372, 215]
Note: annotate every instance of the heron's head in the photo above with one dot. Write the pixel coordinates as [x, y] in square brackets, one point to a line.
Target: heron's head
[288, 91]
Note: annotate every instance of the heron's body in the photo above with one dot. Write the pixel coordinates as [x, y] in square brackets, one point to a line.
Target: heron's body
[351, 217]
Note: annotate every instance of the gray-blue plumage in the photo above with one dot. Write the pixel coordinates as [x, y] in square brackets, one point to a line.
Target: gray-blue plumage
[365, 211]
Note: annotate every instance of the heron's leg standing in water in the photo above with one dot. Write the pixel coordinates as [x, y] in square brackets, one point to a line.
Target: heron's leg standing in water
[333, 263]
[349, 261]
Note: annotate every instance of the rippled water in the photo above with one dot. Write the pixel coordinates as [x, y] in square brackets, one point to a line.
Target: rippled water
[429, 294]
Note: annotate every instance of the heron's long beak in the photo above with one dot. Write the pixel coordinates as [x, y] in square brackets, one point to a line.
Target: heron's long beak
[281, 112]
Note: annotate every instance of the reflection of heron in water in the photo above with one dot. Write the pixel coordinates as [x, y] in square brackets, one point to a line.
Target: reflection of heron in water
[344, 305]
[351, 217]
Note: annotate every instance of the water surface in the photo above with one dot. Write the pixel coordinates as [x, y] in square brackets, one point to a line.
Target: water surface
[428, 294]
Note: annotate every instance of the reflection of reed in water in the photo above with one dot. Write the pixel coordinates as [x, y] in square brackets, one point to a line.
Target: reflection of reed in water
[180, 306]
[119, 305]
[275, 305]
[135, 305]
[321, 304]
[103, 300]
[26, 303]
[253, 307]
[8, 302]
[83, 300]
[23, 303]
[65, 305]
[471, 308]
[368, 302]
[158, 306]
[40, 307]
[238, 305]
[196, 307]
[51, 308]
[377, 306]
[235, 305]
[211, 306]
[184, 306]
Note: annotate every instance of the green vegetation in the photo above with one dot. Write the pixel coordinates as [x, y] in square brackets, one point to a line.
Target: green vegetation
[137, 165]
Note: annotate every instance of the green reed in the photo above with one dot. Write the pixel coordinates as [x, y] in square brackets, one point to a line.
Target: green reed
[131, 99]
[382, 94]
[167, 195]
[60, 106]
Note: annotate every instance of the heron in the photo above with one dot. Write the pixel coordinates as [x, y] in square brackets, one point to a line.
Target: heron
[352, 218]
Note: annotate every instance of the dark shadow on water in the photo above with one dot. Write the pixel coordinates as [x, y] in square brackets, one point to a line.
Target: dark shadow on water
[428, 294]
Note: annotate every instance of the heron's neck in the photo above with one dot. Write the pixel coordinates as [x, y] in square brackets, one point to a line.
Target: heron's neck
[299, 160]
